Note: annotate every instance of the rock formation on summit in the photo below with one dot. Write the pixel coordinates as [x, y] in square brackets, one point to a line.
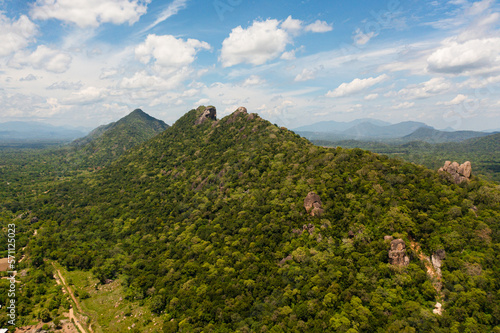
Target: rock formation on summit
[209, 113]
[397, 253]
[459, 172]
[312, 204]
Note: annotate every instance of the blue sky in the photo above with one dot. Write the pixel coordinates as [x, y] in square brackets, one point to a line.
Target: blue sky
[89, 62]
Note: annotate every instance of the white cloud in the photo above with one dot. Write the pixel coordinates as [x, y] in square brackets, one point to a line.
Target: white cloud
[371, 97]
[65, 85]
[144, 81]
[306, 75]
[171, 10]
[426, 89]
[457, 100]
[88, 95]
[253, 80]
[90, 13]
[289, 55]
[319, 26]
[404, 105]
[355, 86]
[361, 38]
[168, 51]
[15, 35]
[456, 58]
[291, 25]
[43, 58]
[261, 42]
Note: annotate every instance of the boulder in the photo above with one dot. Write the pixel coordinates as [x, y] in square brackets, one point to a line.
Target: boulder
[437, 261]
[458, 172]
[312, 204]
[210, 113]
[397, 253]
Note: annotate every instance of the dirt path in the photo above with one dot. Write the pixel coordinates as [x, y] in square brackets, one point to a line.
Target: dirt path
[60, 280]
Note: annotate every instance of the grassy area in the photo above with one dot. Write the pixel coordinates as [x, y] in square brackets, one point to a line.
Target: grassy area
[106, 305]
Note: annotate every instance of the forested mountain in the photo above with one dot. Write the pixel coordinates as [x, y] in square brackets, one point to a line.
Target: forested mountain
[376, 130]
[107, 142]
[483, 152]
[432, 135]
[236, 225]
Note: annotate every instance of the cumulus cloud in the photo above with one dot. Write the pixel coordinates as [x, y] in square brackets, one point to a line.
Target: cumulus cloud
[86, 96]
[15, 35]
[426, 89]
[292, 25]
[457, 100]
[456, 58]
[169, 52]
[90, 13]
[319, 26]
[355, 86]
[253, 80]
[148, 82]
[43, 58]
[261, 42]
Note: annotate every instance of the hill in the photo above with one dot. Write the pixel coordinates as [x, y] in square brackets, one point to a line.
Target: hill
[236, 225]
[432, 135]
[483, 152]
[108, 142]
[22, 131]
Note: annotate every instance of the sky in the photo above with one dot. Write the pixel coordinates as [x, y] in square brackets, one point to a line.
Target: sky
[84, 63]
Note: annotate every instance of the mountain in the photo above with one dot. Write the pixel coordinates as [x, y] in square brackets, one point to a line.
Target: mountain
[364, 130]
[237, 225]
[29, 131]
[368, 130]
[432, 135]
[335, 126]
[107, 142]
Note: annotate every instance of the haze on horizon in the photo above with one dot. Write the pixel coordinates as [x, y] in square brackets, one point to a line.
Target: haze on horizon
[293, 62]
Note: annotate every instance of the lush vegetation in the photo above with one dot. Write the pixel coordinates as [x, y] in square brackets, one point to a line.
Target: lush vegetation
[205, 225]
[484, 153]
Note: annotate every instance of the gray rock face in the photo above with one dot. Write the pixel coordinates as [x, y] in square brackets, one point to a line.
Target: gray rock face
[459, 172]
[437, 261]
[397, 253]
[210, 113]
[312, 204]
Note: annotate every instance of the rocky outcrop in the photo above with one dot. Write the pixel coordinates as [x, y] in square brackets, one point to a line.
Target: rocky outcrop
[437, 261]
[397, 253]
[235, 114]
[210, 113]
[458, 172]
[312, 204]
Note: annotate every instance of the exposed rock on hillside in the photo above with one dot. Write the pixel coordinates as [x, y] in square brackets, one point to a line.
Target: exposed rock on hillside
[397, 253]
[210, 113]
[312, 204]
[459, 172]
[437, 260]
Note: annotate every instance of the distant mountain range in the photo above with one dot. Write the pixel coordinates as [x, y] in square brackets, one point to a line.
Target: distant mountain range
[30, 130]
[372, 129]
